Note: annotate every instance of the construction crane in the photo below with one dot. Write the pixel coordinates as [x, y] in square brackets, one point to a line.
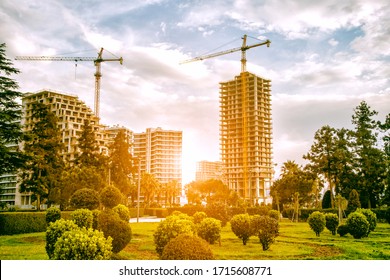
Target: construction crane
[98, 74]
[244, 47]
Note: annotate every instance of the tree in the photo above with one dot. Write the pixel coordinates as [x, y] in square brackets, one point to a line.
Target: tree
[43, 147]
[293, 179]
[149, 184]
[326, 200]
[317, 222]
[89, 154]
[121, 163]
[11, 134]
[353, 201]
[172, 190]
[370, 161]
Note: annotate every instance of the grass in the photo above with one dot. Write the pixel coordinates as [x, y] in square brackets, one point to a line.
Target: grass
[295, 241]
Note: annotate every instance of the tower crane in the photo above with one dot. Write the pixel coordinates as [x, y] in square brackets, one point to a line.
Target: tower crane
[98, 74]
[244, 47]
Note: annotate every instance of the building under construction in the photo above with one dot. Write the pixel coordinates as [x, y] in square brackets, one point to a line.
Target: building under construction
[246, 136]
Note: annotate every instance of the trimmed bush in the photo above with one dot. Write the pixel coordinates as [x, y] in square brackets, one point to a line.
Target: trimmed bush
[95, 214]
[110, 197]
[342, 230]
[357, 224]
[82, 244]
[218, 211]
[122, 211]
[388, 215]
[82, 218]
[187, 247]
[119, 230]
[371, 218]
[26, 222]
[85, 198]
[241, 227]
[210, 230]
[56, 230]
[52, 214]
[199, 216]
[170, 228]
[266, 229]
[317, 222]
[274, 214]
[331, 222]
[353, 201]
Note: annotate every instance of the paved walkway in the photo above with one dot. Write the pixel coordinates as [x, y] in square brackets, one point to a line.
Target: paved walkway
[148, 219]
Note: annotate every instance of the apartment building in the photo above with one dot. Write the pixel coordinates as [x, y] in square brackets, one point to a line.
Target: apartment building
[206, 170]
[160, 153]
[246, 136]
[71, 113]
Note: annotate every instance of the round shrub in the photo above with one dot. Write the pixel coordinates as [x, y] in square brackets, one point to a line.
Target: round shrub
[54, 231]
[370, 216]
[119, 230]
[82, 244]
[187, 247]
[274, 214]
[266, 229]
[342, 230]
[241, 227]
[317, 222]
[85, 198]
[218, 211]
[110, 196]
[357, 224]
[210, 230]
[52, 214]
[122, 211]
[95, 214]
[353, 201]
[82, 218]
[331, 222]
[171, 227]
[199, 216]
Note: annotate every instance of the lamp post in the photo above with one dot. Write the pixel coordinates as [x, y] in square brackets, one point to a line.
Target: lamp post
[138, 188]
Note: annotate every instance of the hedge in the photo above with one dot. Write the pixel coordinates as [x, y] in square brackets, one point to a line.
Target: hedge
[25, 222]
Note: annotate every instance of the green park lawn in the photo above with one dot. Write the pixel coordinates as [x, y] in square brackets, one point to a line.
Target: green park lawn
[295, 241]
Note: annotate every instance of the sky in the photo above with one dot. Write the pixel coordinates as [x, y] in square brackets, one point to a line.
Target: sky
[325, 58]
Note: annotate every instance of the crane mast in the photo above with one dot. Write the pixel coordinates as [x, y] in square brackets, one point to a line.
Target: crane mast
[244, 47]
[97, 61]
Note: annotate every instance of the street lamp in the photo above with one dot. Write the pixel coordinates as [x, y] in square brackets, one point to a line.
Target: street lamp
[138, 188]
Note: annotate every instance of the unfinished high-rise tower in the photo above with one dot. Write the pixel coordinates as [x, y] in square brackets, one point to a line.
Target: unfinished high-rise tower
[246, 136]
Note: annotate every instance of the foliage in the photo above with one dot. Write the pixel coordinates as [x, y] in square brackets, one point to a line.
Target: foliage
[95, 214]
[388, 215]
[110, 197]
[149, 184]
[241, 227]
[293, 179]
[52, 214]
[371, 218]
[10, 115]
[170, 228]
[122, 211]
[218, 211]
[56, 230]
[331, 222]
[266, 229]
[82, 218]
[327, 200]
[353, 201]
[85, 198]
[17, 222]
[210, 230]
[187, 247]
[317, 222]
[342, 230]
[274, 214]
[112, 225]
[82, 244]
[42, 171]
[199, 217]
[121, 163]
[357, 224]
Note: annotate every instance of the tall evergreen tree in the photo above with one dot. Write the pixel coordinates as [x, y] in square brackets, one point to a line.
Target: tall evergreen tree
[45, 164]
[370, 161]
[10, 115]
[121, 163]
